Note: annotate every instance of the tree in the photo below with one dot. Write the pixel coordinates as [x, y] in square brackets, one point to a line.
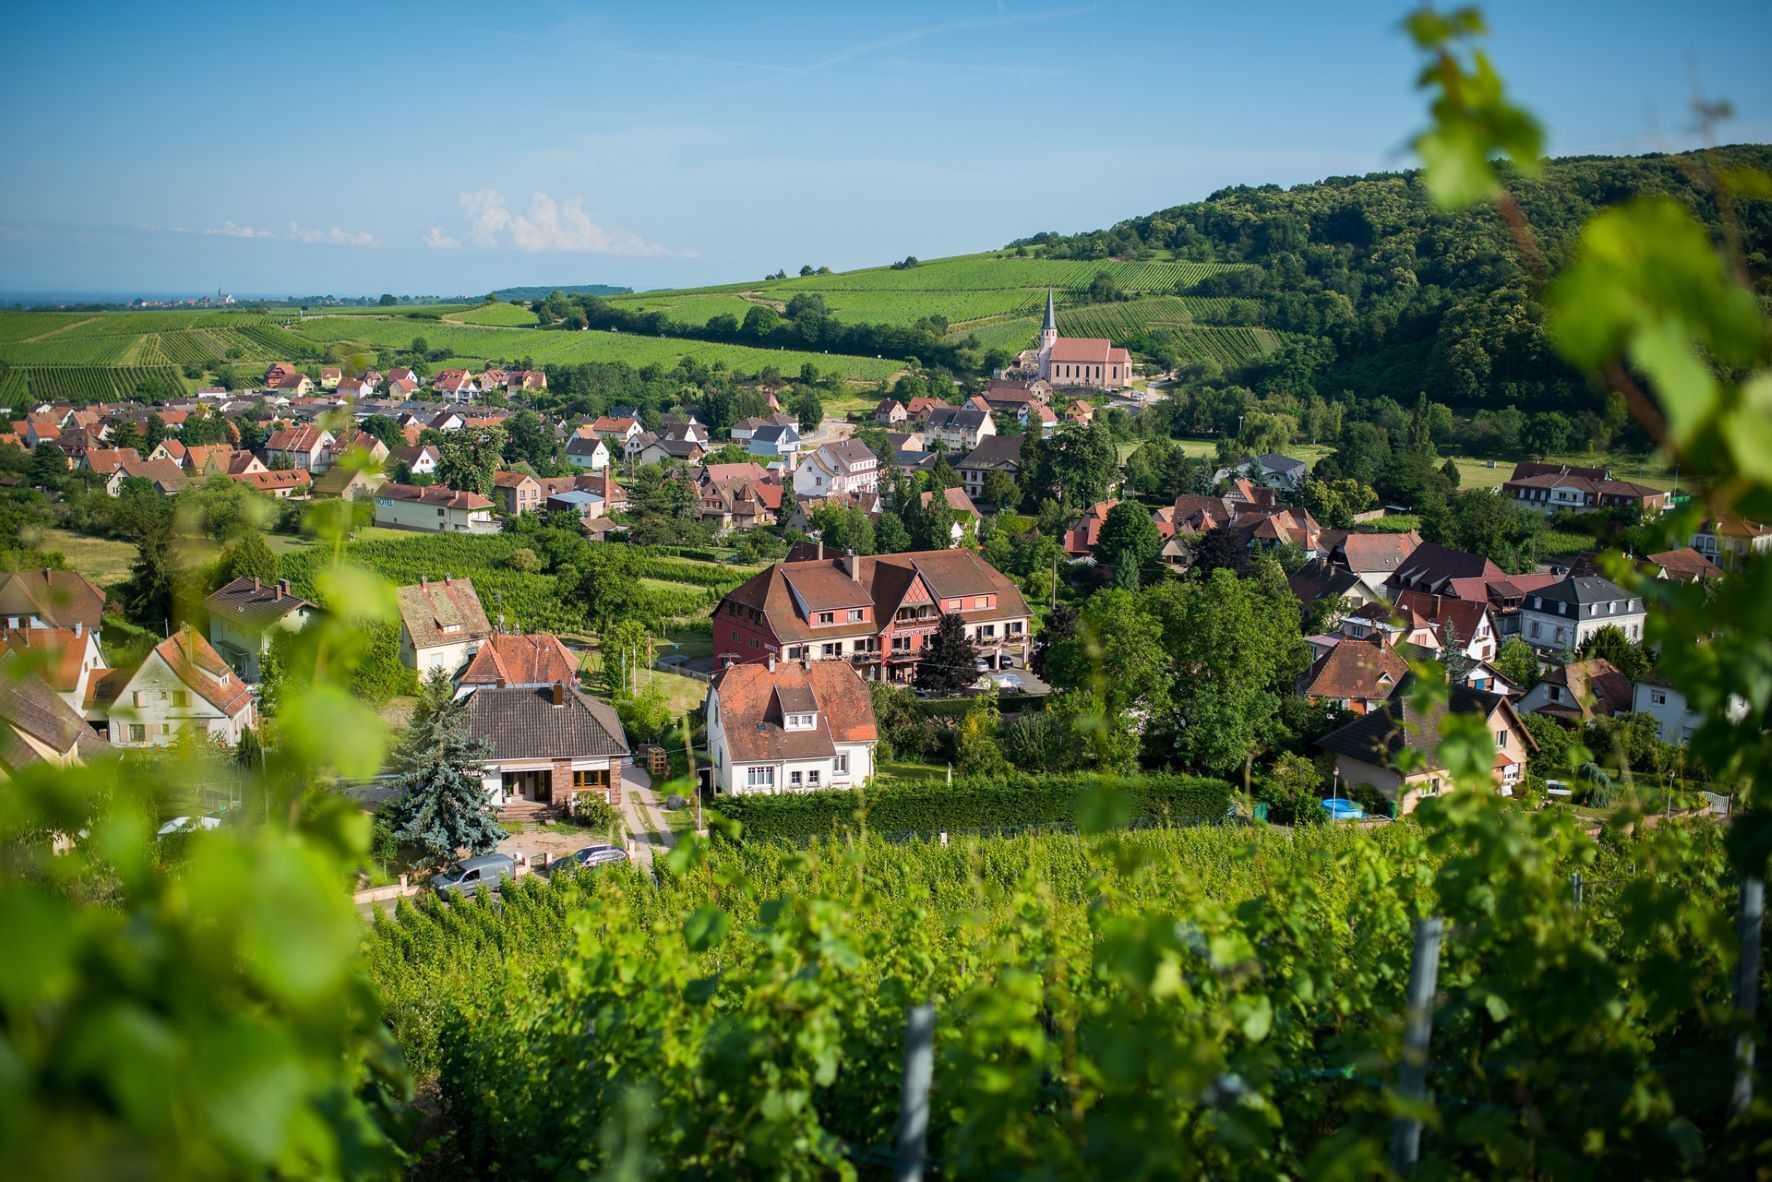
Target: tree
[1219, 549]
[890, 534]
[999, 489]
[976, 746]
[1457, 662]
[1114, 662]
[48, 467]
[949, 661]
[528, 440]
[608, 587]
[443, 804]
[247, 557]
[151, 594]
[845, 527]
[1611, 644]
[1517, 662]
[1129, 543]
[467, 459]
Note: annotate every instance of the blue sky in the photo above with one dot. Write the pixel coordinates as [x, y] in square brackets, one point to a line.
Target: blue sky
[349, 149]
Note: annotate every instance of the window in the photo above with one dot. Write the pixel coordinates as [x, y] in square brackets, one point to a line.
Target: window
[796, 652]
[1656, 697]
[801, 722]
[812, 778]
[827, 617]
[590, 777]
[854, 615]
[841, 763]
[138, 733]
[987, 631]
[834, 649]
[901, 644]
[794, 779]
[760, 777]
[1501, 740]
[140, 697]
[181, 698]
[735, 636]
[1013, 628]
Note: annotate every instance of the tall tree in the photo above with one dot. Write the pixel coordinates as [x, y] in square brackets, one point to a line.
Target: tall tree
[950, 660]
[466, 459]
[443, 805]
[1129, 543]
[608, 586]
[247, 557]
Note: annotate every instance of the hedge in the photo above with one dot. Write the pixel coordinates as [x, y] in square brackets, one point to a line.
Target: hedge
[1011, 802]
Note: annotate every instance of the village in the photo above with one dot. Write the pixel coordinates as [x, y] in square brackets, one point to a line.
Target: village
[780, 688]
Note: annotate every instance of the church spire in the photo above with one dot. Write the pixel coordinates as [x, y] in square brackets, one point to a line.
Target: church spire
[1051, 324]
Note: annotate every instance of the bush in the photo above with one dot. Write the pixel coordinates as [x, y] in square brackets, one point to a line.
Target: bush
[592, 812]
[1012, 801]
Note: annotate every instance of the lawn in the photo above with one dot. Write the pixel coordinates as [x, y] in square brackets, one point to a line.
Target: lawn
[895, 771]
[1652, 469]
[105, 561]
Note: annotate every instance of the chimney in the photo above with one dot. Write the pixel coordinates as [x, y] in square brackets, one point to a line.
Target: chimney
[79, 627]
[277, 593]
[558, 694]
[499, 683]
[849, 563]
[283, 586]
[772, 662]
[821, 549]
[255, 583]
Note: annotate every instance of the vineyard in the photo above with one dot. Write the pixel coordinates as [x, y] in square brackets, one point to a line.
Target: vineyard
[82, 384]
[1135, 1004]
[999, 271]
[688, 309]
[501, 315]
[676, 588]
[1230, 347]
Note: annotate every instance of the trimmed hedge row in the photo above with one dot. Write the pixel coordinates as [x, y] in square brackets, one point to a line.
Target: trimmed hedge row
[1015, 801]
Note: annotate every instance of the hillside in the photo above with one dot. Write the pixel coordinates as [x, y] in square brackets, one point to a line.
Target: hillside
[1385, 294]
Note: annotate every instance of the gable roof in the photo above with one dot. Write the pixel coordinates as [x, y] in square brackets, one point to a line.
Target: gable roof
[1431, 565]
[1594, 686]
[31, 709]
[754, 700]
[522, 659]
[255, 604]
[1374, 553]
[1088, 350]
[1466, 615]
[427, 608]
[1382, 733]
[1685, 564]
[994, 451]
[194, 662]
[434, 494]
[1356, 669]
[524, 723]
[60, 598]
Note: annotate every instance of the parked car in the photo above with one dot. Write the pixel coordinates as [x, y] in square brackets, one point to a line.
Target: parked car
[469, 875]
[600, 855]
[188, 825]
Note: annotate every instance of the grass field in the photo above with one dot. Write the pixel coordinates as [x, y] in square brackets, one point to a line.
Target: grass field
[105, 561]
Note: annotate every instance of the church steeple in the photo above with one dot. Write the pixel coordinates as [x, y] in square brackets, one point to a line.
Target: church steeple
[1048, 333]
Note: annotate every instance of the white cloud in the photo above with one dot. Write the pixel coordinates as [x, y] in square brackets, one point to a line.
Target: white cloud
[548, 225]
[230, 230]
[436, 239]
[332, 237]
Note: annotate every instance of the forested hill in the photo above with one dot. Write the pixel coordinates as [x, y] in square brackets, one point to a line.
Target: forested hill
[1394, 295]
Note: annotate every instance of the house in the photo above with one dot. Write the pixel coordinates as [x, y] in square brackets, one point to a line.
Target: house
[1507, 594]
[1281, 472]
[1442, 570]
[739, 502]
[877, 611]
[433, 509]
[685, 427]
[441, 624]
[1366, 750]
[1317, 581]
[68, 660]
[1091, 362]
[660, 450]
[777, 444]
[1557, 488]
[994, 453]
[281, 483]
[1469, 618]
[521, 661]
[966, 515]
[456, 385]
[840, 467]
[361, 442]
[1355, 675]
[582, 502]
[348, 483]
[1579, 692]
[1080, 538]
[1018, 399]
[417, 460]
[518, 492]
[220, 460]
[616, 430]
[244, 617]
[38, 726]
[890, 412]
[550, 745]
[958, 428]
[166, 477]
[169, 449]
[789, 726]
[1560, 617]
[330, 377]
[1675, 720]
[284, 377]
[1728, 541]
[305, 446]
[1270, 527]
[50, 599]
[590, 452]
[1371, 558]
[182, 688]
[355, 388]
[1685, 565]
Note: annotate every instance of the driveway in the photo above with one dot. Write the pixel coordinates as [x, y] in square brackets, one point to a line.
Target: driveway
[639, 808]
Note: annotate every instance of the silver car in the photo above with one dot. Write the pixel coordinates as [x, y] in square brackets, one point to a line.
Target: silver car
[470, 875]
[600, 855]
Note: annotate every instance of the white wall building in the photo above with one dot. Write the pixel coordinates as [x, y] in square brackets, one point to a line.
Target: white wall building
[795, 726]
[1560, 617]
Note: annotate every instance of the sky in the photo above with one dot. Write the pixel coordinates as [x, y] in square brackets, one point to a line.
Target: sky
[353, 149]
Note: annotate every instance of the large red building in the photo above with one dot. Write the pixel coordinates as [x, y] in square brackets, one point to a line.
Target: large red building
[877, 612]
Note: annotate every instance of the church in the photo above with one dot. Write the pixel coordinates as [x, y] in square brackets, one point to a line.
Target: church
[1093, 362]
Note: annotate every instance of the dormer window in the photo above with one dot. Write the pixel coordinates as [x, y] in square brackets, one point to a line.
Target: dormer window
[800, 722]
[827, 617]
[448, 628]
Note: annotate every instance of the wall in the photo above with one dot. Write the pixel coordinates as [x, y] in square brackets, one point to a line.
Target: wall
[161, 720]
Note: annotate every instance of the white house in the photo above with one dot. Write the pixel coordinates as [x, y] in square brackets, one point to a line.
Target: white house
[1561, 616]
[958, 428]
[589, 452]
[433, 509]
[837, 468]
[441, 625]
[794, 726]
[777, 442]
[183, 687]
[245, 616]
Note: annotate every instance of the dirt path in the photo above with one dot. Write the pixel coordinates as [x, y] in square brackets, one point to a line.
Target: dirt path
[639, 808]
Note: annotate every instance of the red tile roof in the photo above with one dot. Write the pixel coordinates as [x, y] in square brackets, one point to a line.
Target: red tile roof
[754, 700]
[522, 660]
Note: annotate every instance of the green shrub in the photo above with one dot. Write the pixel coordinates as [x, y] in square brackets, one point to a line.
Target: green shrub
[1007, 802]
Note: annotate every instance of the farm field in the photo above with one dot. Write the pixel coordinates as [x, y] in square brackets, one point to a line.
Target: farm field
[998, 270]
[501, 315]
[483, 344]
[81, 384]
[690, 308]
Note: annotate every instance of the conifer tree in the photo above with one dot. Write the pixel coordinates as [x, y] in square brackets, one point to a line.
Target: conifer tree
[950, 661]
[443, 805]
